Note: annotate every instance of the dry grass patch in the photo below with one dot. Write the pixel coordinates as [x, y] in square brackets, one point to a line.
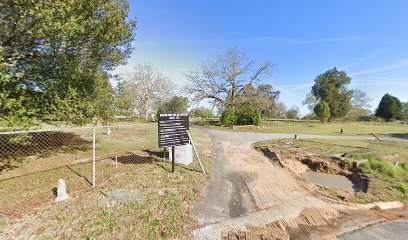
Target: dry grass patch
[137, 199]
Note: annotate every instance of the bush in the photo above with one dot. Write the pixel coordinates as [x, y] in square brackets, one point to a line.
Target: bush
[229, 117]
[202, 113]
[246, 116]
[369, 118]
[250, 116]
[404, 188]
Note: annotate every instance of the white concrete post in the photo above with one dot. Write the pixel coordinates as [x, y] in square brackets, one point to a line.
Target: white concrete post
[61, 191]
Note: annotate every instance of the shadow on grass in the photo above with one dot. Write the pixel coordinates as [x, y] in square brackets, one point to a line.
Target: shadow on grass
[159, 154]
[167, 167]
[134, 159]
[399, 135]
[14, 148]
[79, 175]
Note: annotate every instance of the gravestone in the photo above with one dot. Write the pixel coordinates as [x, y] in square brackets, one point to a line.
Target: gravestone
[61, 191]
[184, 154]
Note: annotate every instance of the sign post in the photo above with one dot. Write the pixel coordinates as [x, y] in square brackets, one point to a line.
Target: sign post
[173, 152]
[173, 131]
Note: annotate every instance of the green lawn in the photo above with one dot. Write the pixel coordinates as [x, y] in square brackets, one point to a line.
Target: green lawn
[349, 128]
[385, 162]
[161, 210]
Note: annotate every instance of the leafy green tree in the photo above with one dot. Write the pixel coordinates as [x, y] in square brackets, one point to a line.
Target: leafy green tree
[176, 104]
[293, 113]
[51, 52]
[202, 112]
[331, 87]
[389, 108]
[103, 103]
[404, 111]
[322, 111]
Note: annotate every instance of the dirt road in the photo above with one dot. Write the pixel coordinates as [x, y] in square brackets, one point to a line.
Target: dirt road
[247, 190]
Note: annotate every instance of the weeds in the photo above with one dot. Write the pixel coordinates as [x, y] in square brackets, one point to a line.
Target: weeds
[404, 188]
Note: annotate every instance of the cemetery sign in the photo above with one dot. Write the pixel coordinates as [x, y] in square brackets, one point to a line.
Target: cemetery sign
[173, 130]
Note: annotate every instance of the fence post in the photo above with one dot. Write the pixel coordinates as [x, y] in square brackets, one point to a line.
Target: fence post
[94, 157]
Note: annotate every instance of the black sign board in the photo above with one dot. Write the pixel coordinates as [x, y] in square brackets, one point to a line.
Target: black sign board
[173, 130]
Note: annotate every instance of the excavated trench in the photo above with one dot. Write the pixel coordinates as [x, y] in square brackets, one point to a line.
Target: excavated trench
[329, 172]
[336, 174]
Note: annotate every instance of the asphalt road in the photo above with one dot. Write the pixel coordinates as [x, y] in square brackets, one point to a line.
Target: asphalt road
[392, 231]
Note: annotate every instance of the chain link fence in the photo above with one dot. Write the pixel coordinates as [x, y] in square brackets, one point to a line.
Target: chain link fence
[31, 162]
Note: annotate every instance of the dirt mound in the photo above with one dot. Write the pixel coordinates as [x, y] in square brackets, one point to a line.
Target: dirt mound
[317, 164]
[311, 223]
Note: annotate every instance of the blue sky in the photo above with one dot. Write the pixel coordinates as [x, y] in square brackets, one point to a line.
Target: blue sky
[367, 39]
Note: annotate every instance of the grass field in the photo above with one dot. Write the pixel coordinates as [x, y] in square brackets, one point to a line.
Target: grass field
[349, 128]
[385, 162]
[137, 199]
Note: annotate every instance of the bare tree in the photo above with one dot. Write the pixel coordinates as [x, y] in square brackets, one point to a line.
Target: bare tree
[280, 110]
[149, 89]
[224, 78]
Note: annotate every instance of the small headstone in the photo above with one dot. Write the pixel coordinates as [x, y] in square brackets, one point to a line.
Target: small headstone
[61, 191]
[109, 131]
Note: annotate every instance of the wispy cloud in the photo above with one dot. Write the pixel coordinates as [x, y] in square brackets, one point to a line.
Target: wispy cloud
[297, 86]
[365, 58]
[299, 41]
[380, 82]
[285, 91]
[396, 65]
[266, 39]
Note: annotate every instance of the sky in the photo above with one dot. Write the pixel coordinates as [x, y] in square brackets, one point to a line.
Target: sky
[367, 39]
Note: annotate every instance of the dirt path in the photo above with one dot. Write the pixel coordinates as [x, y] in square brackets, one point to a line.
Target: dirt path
[247, 190]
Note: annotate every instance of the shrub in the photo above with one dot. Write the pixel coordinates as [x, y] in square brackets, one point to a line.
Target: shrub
[404, 188]
[202, 112]
[245, 116]
[229, 117]
[369, 118]
[250, 116]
